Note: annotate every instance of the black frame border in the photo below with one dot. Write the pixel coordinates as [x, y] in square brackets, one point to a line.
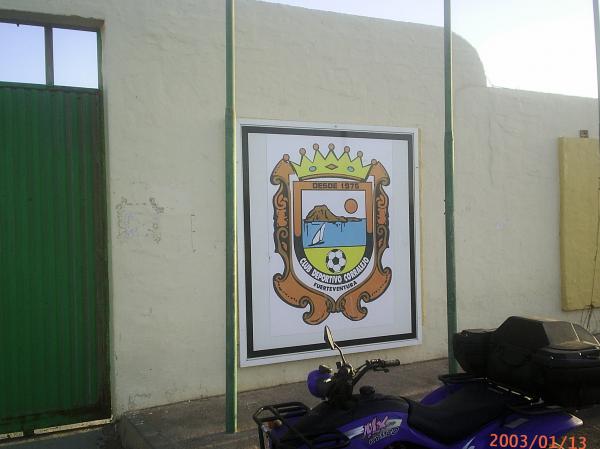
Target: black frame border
[251, 353]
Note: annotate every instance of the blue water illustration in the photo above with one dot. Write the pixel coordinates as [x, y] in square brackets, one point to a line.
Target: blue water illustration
[352, 233]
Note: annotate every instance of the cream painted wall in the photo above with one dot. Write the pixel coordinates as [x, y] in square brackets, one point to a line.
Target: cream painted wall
[296, 64]
[164, 87]
[163, 67]
[507, 212]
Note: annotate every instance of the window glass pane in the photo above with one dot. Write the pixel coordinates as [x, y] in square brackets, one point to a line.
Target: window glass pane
[75, 58]
[22, 55]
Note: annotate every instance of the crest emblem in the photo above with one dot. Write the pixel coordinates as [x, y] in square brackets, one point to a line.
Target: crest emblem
[331, 228]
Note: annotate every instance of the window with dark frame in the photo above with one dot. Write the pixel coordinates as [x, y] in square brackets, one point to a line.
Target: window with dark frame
[50, 55]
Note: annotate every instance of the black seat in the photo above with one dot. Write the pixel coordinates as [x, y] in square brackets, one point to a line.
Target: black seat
[461, 414]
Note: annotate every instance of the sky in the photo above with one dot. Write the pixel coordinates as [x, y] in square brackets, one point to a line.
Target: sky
[539, 45]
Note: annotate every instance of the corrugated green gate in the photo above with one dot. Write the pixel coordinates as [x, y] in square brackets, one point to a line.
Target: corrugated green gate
[53, 263]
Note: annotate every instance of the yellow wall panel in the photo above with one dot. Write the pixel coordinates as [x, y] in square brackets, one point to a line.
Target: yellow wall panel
[579, 161]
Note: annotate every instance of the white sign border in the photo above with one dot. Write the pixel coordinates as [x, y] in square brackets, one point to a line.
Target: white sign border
[244, 361]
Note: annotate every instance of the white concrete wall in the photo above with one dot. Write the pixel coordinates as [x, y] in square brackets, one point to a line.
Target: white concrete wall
[507, 211]
[297, 64]
[163, 65]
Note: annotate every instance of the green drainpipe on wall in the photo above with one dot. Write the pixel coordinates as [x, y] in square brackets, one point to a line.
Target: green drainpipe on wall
[449, 186]
[231, 290]
[597, 35]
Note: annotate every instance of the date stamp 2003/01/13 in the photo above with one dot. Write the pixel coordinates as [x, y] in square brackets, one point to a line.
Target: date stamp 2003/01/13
[513, 441]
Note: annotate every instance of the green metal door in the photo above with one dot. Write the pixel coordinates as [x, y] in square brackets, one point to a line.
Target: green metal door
[53, 264]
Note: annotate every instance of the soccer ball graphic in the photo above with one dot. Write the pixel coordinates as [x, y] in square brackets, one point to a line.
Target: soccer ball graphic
[335, 260]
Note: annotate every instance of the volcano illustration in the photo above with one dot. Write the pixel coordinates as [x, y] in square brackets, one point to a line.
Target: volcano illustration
[322, 213]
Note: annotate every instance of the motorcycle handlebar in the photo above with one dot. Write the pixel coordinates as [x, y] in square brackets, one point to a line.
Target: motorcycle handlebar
[378, 363]
[390, 363]
[374, 365]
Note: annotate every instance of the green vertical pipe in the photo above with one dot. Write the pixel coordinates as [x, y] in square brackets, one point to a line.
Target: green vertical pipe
[597, 33]
[449, 186]
[231, 236]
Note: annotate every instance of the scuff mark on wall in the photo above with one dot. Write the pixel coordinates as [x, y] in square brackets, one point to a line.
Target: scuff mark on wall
[139, 220]
[133, 399]
[155, 206]
[193, 232]
[171, 394]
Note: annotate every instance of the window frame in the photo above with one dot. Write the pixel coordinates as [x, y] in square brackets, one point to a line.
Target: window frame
[49, 22]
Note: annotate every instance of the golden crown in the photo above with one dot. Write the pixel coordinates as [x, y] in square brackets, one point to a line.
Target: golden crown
[331, 165]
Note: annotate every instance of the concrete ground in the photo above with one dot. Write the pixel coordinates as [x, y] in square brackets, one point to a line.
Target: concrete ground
[199, 424]
[103, 437]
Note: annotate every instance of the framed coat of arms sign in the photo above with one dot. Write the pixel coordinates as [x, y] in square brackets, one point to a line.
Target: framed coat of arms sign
[328, 233]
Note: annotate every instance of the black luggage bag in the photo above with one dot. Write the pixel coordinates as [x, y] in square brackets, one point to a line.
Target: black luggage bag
[471, 348]
[555, 360]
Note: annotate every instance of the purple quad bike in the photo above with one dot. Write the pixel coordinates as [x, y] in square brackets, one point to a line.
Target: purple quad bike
[466, 412]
